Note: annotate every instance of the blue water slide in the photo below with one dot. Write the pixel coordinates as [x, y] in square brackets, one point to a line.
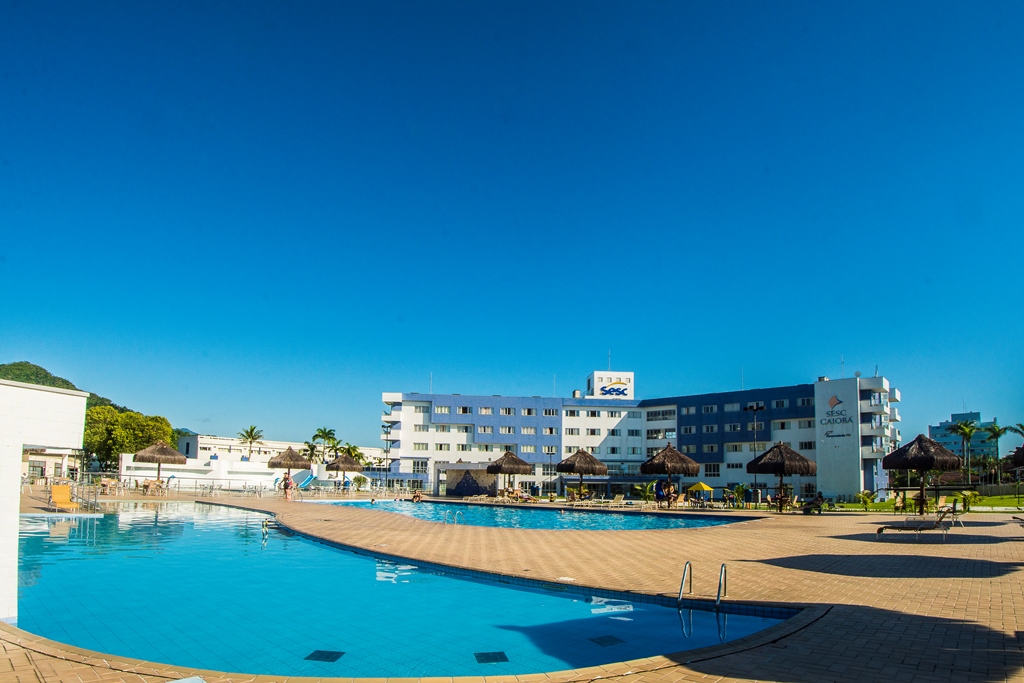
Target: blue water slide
[307, 481]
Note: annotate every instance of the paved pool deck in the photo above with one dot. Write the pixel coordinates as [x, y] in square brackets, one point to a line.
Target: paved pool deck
[895, 610]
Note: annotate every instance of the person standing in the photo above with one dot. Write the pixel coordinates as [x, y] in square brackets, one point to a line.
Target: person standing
[286, 484]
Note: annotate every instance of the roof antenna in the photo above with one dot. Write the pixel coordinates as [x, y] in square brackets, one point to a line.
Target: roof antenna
[431, 384]
[609, 360]
[842, 366]
[876, 371]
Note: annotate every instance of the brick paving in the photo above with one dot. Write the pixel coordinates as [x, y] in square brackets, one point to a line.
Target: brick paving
[897, 609]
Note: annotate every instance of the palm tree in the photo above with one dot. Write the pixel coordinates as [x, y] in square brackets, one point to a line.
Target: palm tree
[966, 430]
[333, 446]
[994, 432]
[251, 436]
[1017, 429]
[311, 450]
[354, 453]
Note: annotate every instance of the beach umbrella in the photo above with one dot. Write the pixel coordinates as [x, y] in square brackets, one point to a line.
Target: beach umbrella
[289, 459]
[160, 453]
[669, 461]
[700, 487]
[783, 461]
[509, 464]
[922, 454]
[581, 462]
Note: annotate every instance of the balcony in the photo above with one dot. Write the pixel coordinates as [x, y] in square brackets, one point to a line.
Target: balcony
[871, 429]
[894, 414]
[879, 384]
[394, 416]
[894, 395]
[874, 407]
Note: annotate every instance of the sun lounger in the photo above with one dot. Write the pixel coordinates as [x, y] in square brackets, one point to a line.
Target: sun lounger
[918, 527]
[60, 498]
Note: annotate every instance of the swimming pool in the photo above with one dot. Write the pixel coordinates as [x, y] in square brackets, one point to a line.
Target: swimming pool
[528, 517]
[195, 585]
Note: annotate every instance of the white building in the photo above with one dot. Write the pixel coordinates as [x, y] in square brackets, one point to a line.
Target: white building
[37, 418]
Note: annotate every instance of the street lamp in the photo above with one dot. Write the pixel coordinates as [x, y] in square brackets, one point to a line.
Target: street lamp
[754, 407]
[386, 429]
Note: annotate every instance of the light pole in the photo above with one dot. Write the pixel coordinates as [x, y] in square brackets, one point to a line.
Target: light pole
[386, 429]
[753, 408]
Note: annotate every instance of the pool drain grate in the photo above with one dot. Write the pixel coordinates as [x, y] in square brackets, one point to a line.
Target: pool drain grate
[324, 656]
[490, 657]
[606, 641]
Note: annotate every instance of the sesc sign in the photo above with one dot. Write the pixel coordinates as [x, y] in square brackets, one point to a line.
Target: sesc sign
[614, 389]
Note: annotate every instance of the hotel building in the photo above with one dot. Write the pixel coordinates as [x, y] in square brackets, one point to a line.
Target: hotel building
[980, 446]
[845, 425]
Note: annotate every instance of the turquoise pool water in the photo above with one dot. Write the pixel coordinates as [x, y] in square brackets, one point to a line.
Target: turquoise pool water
[529, 517]
[196, 586]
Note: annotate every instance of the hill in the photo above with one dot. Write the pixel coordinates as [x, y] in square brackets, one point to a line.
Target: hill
[29, 373]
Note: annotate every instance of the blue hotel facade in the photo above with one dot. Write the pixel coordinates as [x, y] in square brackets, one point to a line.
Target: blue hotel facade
[846, 425]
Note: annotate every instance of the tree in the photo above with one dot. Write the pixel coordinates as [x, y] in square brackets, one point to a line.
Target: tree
[109, 433]
[312, 452]
[359, 481]
[354, 453]
[251, 436]
[866, 498]
[1017, 429]
[646, 491]
[97, 422]
[994, 432]
[965, 429]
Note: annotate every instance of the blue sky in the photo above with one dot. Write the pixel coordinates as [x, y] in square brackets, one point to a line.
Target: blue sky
[269, 212]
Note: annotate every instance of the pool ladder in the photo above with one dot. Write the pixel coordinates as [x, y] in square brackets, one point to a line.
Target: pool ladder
[455, 516]
[723, 584]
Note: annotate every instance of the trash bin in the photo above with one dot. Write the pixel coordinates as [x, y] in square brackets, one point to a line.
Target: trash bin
[534, 491]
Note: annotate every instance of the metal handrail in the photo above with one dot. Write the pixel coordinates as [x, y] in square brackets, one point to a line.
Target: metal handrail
[455, 517]
[723, 585]
[446, 517]
[683, 622]
[686, 574]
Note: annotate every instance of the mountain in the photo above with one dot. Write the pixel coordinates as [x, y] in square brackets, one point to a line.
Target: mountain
[29, 373]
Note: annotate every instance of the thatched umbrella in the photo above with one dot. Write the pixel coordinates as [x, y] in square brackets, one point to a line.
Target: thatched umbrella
[670, 461]
[922, 454]
[783, 461]
[581, 462]
[344, 463]
[287, 460]
[160, 453]
[509, 464]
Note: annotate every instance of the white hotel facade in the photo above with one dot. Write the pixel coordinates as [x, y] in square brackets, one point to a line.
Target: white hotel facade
[845, 425]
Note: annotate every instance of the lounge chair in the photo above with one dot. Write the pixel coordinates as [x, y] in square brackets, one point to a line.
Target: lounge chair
[60, 498]
[937, 524]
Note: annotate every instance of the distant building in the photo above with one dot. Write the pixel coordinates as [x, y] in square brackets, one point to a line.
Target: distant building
[980, 447]
[845, 425]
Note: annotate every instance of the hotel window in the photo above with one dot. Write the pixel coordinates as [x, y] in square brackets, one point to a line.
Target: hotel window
[529, 430]
[614, 413]
[422, 409]
[756, 404]
[485, 447]
[548, 471]
[528, 449]
[710, 429]
[633, 432]
[734, 466]
[419, 466]
[733, 447]
[708, 410]
[751, 426]
[464, 429]
[712, 469]
[634, 450]
[593, 413]
[709, 448]
[805, 402]
[572, 413]
[508, 411]
[656, 415]
[807, 445]
[780, 403]
[688, 410]
[688, 429]
[511, 448]
[572, 431]
[655, 433]
[508, 430]
[550, 431]
[442, 428]
[484, 429]
[613, 450]
[805, 424]
[465, 410]
[570, 449]
[529, 412]
[593, 432]
[465, 447]
[551, 450]
[419, 446]
[486, 411]
[614, 432]
[421, 428]
[651, 452]
[731, 407]
[551, 412]
[442, 446]
[634, 414]
[732, 427]
[596, 450]
[758, 447]
[670, 433]
[781, 424]
[442, 410]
